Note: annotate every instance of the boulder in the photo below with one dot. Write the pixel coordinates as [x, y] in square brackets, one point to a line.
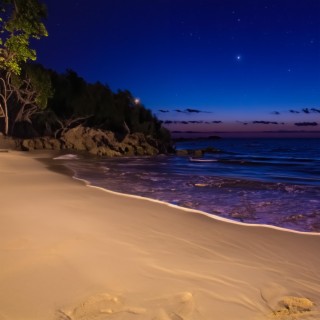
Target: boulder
[182, 152]
[96, 142]
[73, 138]
[197, 153]
[139, 151]
[104, 151]
[46, 143]
[55, 144]
[38, 145]
[88, 142]
[27, 145]
[150, 150]
[211, 150]
[129, 151]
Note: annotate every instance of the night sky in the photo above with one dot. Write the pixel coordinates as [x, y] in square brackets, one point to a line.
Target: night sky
[200, 65]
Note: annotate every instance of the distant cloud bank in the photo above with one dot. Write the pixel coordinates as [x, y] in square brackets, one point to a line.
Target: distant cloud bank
[191, 121]
[306, 124]
[187, 110]
[305, 110]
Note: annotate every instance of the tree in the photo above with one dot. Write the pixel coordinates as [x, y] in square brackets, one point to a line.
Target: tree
[32, 90]
[20, 21]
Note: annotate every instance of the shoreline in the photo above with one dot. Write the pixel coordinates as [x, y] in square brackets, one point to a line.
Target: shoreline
[72, 252]
[208, 215]
[72, 174]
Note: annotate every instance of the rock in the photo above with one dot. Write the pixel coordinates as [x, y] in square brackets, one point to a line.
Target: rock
[182, 152]
[211, 150]
[38, 145]
[111, 153]
[197, 153]
[88, 142]
[104, 151]
[151, 151]
[73, 138]
[46, 144]
[55, 144]
[139, 151]
[27, 145]
[129, 151]
[96, 142]
[95, 151]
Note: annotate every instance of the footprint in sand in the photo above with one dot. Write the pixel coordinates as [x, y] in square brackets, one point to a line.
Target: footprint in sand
[105, 306]
[290, 308]
[286, 307]
[98, 307]
[179, 307]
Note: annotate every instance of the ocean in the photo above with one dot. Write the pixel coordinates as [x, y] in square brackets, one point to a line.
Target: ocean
[260, 181]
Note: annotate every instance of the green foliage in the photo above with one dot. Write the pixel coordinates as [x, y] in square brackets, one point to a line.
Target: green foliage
[41, 84]
[21, 20]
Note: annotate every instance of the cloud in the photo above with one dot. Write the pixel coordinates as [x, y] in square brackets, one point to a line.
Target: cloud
[244, 123]
[275, 112]
[190, 122]
[163, 111]
[193, 111]
[306, 124]
[264, 122]
[189, 110]
[305, 110]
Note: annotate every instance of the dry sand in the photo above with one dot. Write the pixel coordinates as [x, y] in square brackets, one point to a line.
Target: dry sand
[68, 251]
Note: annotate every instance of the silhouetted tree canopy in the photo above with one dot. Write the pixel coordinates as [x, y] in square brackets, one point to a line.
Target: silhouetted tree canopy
[76, 101]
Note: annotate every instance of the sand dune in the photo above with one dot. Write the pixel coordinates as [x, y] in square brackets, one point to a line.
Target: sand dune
[72, 252]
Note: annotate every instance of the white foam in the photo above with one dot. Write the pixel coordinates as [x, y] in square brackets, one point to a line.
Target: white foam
[211, 216]
[68, 156]
[202, 160]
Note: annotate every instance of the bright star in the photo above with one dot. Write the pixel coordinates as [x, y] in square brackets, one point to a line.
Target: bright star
[238, 58]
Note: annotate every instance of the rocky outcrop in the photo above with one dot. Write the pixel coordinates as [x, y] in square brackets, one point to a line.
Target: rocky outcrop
[97, 142]
[197, 152]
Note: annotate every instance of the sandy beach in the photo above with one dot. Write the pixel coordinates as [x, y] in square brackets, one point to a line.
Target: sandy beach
[73, 252]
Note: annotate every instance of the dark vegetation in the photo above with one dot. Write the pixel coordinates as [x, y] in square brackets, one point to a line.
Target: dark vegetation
[73, 101]
[35, 101]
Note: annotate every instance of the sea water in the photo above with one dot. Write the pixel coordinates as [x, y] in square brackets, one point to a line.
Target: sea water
[261, 181]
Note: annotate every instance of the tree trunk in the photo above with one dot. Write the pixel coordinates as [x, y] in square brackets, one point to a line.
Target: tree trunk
[6, 124]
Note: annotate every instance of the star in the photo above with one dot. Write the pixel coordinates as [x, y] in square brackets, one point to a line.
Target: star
[238, 58]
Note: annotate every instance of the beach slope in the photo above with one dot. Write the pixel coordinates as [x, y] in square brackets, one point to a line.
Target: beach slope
[73, 252]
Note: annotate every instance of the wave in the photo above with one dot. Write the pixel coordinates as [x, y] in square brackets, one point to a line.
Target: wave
[258, 161]
[202, 160]
[68, 156]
